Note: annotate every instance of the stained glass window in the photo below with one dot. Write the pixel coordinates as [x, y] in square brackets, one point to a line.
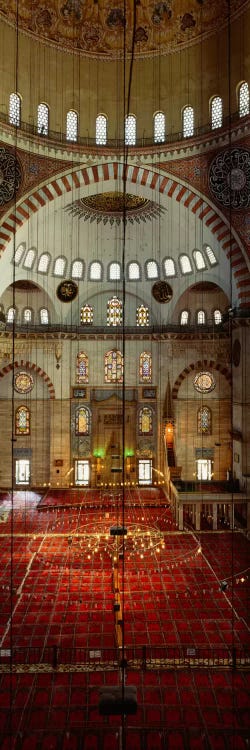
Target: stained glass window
[130, 130]
[22, 421]
[15, 110]
[159, 127]
[113, 366]
[82, 368]
[145, 421]
[216, 112]
[72, 126]
[82, 421]
[204, 382]
[114, 312]
[204, 420]
[145, 367]
[142, 316]
[243, 99]
[101, 130]
[184, 317]
[87, 314]
[42, 119]
[188, 122]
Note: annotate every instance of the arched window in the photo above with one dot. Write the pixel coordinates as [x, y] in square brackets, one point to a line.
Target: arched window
[101, 130]
[43, 264]
[152, 270]
[114, 271]
[130, 130]
[60, 266]
[42, 119]
[204, 421]
[19, 252]
[82, 368]
[95, 271]
[44, 316]
[145, 367]
[217, 317]
[27, 315]
[184, 317]
[15, 110]
[169, 267]
[201, 318]
[11, 314]
[30, 258]
[72, 126]
[243, 96]
[133, 271]
[142, 316]
[77, 269]
[199, 260]
[185, 264]
[22, 421]
[114, 312]
[216, 112]
[210, 255]
[188, 122]
[86, 314]
[145, 421]
[159, 127]
[82, 421]
[113, 367]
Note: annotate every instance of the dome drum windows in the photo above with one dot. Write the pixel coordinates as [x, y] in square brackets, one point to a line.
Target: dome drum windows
[43, 263]
[243, 99]
[114, 271]
[101, 130]
[159, 127]
[43, 119]
[151, 270]
[15, 110]
[95, 271]
[130, 130]
[133, 271]
[60, 266]
[216, 112]
[185, 264]
[169, 267]
[188, 122]
[72, 126]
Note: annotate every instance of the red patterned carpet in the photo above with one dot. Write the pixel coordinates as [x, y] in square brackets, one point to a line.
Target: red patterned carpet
[58, 630]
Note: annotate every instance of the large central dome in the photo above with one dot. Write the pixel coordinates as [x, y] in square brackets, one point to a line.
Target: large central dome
[96, 27]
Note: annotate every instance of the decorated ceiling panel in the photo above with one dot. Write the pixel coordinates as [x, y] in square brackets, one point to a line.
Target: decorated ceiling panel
[96, 27]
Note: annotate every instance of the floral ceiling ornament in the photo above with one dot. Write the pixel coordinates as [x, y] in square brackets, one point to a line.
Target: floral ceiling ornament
[229, 178]
[111, 208]
[10, 176]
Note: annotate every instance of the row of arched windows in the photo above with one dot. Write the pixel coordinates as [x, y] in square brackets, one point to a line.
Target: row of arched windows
[82, 422]
[159, 119]
[200, 317]
[113, 367]
[114, 315]
[201, 260]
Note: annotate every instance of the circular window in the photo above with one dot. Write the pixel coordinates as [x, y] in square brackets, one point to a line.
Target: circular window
[204, 382]
[23, 382]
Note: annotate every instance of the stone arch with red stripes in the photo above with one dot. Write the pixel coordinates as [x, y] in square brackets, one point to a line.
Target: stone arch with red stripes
[33, 368]
[201, 364]
[165, 184]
